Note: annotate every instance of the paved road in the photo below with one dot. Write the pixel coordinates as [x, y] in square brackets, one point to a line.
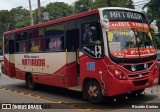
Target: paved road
[15, 91]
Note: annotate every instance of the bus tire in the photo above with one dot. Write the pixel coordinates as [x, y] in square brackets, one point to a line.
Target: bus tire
[93, 92]
[29, 83]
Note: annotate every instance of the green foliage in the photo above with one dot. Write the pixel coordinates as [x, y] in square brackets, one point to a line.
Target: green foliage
[123, 3]
[152, 13]
[21, 17]
[98, 4]
[153, 9]
[35, 14]
[82, 5]
[58, 10]
[85, 5]
[4, 21]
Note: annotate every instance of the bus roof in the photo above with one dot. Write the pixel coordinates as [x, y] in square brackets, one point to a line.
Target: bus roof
[66, 19]
[54, 21]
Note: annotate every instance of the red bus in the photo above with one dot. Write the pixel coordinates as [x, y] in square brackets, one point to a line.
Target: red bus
[102, 52]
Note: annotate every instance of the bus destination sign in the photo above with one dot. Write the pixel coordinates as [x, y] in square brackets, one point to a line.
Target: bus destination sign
[123, 15]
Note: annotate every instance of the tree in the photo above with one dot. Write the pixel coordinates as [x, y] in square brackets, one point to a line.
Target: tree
[35, 14]
[20, 17]
[82, 5]
[153, 9]
[122, 3]
[85, 5]
[152, 13]
[98, 4]
[5, 21]
[4, 24]
[58, 10]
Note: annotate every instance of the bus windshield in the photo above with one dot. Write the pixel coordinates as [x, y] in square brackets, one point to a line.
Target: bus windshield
[129, 43]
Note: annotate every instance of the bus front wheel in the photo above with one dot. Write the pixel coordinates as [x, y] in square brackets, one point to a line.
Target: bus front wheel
[93, 92]
[2, 69]
[29, 83]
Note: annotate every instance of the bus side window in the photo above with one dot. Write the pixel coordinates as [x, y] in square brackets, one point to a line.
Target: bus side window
[36, 42]
[72, 37]
[9, 42]
[21, 42]
[11, 46]
[6, 44]
[54, 38]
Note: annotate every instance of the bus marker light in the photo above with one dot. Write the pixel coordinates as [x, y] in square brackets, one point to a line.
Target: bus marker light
[100, 72]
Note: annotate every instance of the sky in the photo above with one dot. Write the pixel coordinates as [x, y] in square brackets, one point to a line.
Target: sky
[9, 4]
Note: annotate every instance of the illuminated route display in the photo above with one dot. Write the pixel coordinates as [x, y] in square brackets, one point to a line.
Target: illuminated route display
[124, 15]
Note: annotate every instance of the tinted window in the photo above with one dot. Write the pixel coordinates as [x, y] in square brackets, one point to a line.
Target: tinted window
[54, 38]
[9, 43]
[21, 36]
[72, 39]
[36, 42]
[22, 42]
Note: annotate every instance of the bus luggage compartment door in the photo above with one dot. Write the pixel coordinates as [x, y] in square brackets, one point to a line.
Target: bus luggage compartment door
[9, 65]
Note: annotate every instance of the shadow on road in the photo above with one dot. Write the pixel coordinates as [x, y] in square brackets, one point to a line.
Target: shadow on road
[73, 98]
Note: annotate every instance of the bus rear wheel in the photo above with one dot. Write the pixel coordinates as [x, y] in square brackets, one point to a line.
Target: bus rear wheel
[30, 83]
[93, 92]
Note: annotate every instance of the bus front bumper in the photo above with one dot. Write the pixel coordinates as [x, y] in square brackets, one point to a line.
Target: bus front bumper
[117, 87]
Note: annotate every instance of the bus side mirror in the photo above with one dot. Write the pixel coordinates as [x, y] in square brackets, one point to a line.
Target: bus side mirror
[105, 23]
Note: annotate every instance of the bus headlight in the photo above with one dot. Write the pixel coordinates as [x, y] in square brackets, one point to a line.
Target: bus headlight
[116, 72]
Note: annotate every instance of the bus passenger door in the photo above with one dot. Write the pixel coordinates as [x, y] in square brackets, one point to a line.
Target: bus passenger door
[72, 49]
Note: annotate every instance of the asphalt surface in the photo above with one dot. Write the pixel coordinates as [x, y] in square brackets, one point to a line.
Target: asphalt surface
[63, 100]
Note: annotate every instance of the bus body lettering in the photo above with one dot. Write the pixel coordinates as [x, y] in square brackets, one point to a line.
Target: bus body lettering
[33, 62]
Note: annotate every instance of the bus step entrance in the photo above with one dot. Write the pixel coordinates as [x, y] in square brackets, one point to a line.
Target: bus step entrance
[75, 88]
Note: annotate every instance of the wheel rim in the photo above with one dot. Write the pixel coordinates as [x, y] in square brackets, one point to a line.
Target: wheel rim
[93, 91]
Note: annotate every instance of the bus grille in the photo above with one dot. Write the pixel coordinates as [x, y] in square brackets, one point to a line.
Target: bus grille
[139, 67]
[138, 76]
[140, 83]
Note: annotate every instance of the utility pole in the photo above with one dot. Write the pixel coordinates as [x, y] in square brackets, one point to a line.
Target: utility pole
[39, 12]
[31, 16]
